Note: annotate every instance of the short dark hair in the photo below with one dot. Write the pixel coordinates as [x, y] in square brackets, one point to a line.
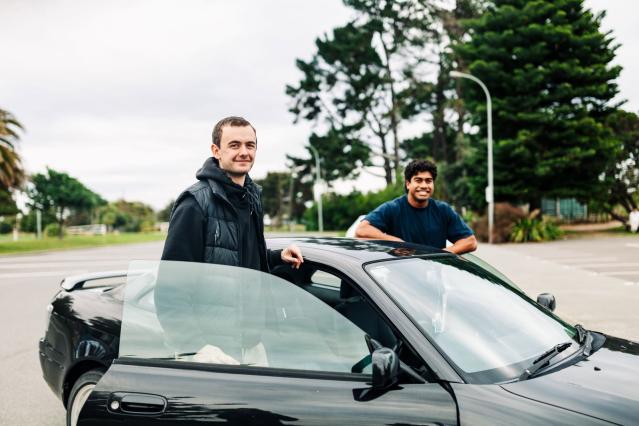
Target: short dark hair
[232, 121]
[419, 166]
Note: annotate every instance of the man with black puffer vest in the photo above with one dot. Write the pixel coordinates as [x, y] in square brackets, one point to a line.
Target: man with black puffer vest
[219, 219]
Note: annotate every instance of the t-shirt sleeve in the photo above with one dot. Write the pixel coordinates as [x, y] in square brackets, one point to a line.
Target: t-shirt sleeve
[381, 217]
[457, 228]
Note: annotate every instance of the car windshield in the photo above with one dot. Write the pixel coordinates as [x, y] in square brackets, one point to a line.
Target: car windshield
[488, 329]
[216, 314]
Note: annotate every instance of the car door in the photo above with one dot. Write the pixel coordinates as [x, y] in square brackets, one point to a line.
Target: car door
[242, 347]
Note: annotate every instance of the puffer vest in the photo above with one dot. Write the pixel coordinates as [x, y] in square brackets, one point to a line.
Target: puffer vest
[222, 235]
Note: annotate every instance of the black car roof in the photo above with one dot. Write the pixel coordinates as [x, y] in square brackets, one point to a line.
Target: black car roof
[364, 250]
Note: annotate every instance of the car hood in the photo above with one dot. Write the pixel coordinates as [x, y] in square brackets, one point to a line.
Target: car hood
[605, 385]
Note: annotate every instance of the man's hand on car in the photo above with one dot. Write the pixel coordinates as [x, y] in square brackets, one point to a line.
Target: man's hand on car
[292, 255]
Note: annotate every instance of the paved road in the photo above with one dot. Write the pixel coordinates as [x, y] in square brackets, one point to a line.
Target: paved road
[596, 283]
[27, 284]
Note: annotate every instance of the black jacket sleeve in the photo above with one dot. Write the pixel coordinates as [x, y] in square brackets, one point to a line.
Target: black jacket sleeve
[274, 258]
[185, 240]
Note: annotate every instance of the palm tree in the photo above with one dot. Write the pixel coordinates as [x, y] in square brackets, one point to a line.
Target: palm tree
[11, 171]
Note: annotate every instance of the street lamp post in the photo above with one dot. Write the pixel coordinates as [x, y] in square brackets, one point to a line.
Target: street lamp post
[318, 180]
[490, 189]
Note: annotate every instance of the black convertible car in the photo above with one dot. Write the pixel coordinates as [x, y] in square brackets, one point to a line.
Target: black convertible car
[365, 333]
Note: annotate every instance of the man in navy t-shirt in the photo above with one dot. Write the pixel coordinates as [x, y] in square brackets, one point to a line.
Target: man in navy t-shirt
[416, 217]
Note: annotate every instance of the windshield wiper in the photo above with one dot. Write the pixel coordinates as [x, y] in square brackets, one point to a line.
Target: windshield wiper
[543, 360]
[585, 338]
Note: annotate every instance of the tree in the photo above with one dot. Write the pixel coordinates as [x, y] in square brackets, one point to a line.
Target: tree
[446, 142]
[164, 215]
[283, 196]
[7, 204]
[548, 68]
[621, 178]
[60, 193]
[275, 191]
[29, 222]
[340, 211]
[364, 81]
[11, 171]
[128, 216]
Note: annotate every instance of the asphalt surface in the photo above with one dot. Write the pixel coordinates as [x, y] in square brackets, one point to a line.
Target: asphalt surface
[27, 284]
[596, 283]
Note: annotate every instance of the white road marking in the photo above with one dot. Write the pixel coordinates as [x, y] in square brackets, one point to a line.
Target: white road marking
[61, 273]
[580, 258]
[633, 245]
[621, 273]
[614, 265]
[40, 265]
[589, 260]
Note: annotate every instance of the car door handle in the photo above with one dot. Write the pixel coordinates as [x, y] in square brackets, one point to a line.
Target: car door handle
[136, 403]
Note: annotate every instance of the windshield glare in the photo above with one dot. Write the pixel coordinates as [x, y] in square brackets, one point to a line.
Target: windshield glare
[489, 330]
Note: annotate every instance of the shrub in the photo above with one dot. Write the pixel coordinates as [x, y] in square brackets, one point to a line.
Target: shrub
[53, 230]
[506, 215]
[5, 228]
[534, 229]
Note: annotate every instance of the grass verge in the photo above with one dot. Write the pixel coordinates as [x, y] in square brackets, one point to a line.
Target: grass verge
[29, 244]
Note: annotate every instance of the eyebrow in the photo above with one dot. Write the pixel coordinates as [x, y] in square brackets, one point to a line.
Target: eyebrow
[236, 141]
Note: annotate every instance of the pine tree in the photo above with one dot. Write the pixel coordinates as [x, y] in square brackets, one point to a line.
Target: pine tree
[548, 68]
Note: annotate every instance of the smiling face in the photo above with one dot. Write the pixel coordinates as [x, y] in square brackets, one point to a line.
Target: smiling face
[420, 188]
[236, 153]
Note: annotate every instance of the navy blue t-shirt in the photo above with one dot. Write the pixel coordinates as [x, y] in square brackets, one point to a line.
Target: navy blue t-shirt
[431, 225]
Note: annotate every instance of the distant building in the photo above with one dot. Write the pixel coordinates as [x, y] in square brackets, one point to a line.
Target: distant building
[564, 208]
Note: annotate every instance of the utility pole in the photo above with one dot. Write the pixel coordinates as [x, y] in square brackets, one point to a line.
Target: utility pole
[490, 189]
[318, 180]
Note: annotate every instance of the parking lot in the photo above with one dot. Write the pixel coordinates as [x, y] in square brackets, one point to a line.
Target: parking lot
[595, 280]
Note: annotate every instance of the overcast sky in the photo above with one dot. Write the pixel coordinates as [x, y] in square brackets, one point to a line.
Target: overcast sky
[123, 94]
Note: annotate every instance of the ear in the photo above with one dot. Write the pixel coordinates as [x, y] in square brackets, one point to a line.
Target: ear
[215, 150]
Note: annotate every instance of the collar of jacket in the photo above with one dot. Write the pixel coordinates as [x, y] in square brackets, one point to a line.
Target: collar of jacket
[251, 188]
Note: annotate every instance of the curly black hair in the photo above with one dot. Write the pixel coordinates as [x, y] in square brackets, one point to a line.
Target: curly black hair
[419, 166]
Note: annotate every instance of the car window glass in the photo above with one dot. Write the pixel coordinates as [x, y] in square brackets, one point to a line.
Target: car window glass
[236, 316]
[325, 278]
[489, 330]
[483, 264]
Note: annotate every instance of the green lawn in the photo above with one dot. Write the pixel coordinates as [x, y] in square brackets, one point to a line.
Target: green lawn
[28, 243]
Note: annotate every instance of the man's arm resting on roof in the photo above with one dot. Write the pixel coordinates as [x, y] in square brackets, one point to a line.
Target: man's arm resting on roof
[366, 230]
[463, 245]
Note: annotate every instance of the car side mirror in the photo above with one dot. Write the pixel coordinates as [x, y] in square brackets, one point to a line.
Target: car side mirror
[547, 300]
[385, 364]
